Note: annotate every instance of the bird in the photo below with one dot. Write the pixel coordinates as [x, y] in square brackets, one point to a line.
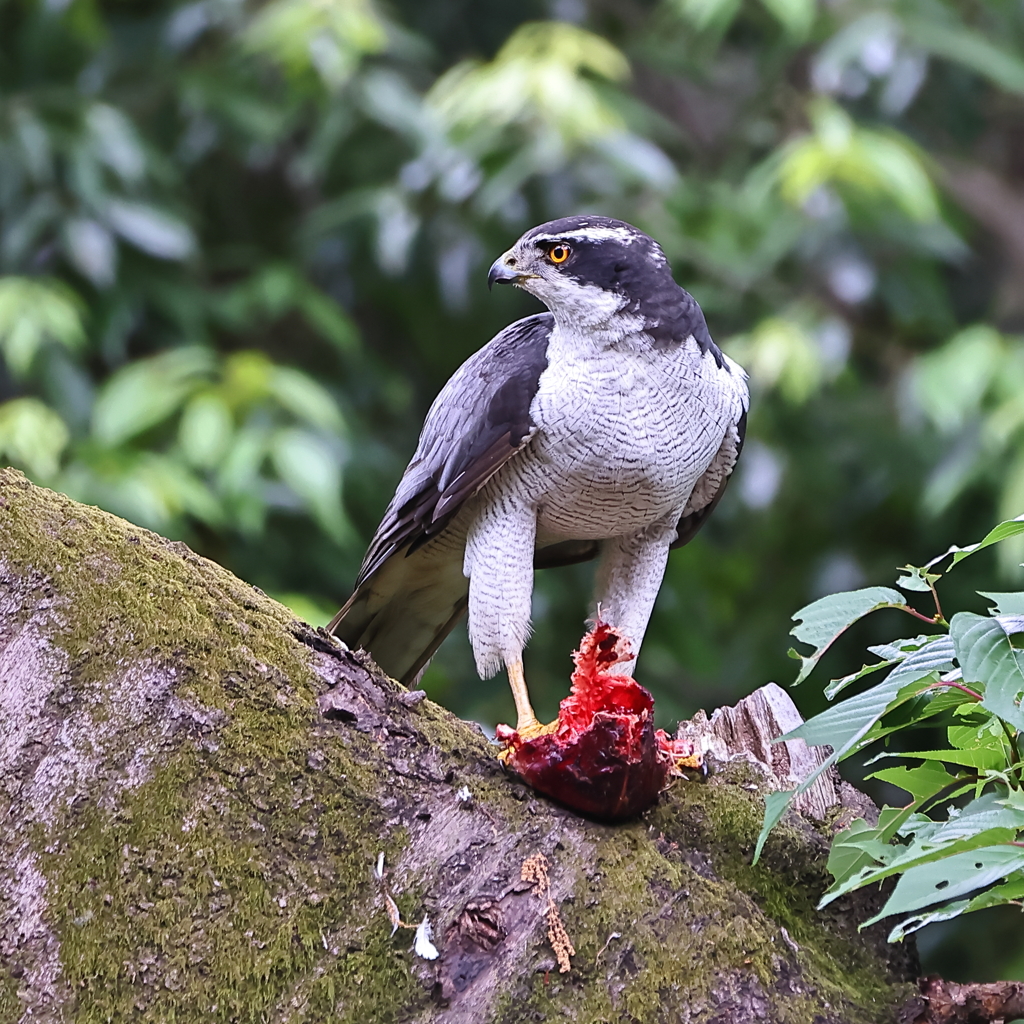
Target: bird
[606, 427]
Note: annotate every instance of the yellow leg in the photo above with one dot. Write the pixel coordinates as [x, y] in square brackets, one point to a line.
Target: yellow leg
[526, 721]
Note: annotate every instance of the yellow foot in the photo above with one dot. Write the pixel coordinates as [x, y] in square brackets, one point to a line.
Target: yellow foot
[526, 730]
[531, 729]
[527, 726]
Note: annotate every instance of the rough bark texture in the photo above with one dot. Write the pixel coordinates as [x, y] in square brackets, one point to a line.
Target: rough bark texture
[946, 1002]
[196, 789]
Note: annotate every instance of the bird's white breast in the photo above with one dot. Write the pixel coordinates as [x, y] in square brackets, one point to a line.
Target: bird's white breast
[624, 432]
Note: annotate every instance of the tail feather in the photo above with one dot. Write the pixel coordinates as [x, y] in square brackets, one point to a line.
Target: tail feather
[403, 612]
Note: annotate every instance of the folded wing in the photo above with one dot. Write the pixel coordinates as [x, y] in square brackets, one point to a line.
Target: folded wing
[410, 594]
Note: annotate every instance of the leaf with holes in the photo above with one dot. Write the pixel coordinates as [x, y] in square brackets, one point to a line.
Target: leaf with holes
[920, 782]
[946, 879]
[917, 579]
[1010, 891]
[939, 845]
[1005, 604]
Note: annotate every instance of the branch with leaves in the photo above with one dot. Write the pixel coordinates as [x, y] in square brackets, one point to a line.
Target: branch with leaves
[958, 844]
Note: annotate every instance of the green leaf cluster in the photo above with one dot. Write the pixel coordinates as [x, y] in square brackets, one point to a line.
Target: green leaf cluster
[958, 844]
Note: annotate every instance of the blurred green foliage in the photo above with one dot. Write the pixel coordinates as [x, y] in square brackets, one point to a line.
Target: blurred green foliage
[243, 244]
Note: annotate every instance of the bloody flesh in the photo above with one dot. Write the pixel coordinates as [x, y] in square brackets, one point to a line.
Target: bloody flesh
[605, 758]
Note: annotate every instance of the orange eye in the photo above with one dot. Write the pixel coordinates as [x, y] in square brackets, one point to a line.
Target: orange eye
[558, 253]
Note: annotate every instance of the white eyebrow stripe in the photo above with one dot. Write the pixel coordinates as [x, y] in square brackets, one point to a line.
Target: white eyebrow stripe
[590, 235]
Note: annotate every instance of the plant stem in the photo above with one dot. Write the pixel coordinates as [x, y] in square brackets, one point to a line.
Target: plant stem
[939, 617]
[957, 686]
[1011, 738]
[932, 620]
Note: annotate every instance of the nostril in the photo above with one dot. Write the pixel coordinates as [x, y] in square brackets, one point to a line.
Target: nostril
[510, 262]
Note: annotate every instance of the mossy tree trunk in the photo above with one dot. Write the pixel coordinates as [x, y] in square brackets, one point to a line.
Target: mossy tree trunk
[197, 790]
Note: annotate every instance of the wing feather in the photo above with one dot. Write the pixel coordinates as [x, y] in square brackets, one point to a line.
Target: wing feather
[477, 423]
[708, 490]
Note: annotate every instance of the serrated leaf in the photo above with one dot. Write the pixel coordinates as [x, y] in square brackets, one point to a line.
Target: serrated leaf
[822, 621]
[921, 782]
[917, 579]
[980, 737]
[946, 879]
[1005, 604]
[987, 658]
[838, 726]
[892, 819]
[848, 726]
[1012, 890]
[836, 686]
[1014, 798]
[1005, 530]
[921, 856]
[935, 656]
[980, 758]
[988, 811]
[919, 708]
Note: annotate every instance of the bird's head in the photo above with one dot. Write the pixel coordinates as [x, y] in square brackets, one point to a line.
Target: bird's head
[589, 269]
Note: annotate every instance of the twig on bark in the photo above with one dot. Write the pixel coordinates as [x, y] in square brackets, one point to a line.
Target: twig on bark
[535, 871]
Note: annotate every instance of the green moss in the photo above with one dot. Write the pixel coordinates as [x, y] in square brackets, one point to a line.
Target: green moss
[724, 818]
[10, 1004]
[165, 905]
[688, 864]
[234, 883]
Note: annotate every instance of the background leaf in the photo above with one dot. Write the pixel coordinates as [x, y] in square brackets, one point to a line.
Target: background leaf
[146, 393]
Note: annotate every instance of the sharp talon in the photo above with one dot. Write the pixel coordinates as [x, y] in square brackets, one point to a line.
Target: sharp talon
[532, 729]
[527, 730]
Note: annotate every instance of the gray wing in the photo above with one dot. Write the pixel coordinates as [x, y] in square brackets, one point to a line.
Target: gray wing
[708, 490]
[477, 423]
[409, 596]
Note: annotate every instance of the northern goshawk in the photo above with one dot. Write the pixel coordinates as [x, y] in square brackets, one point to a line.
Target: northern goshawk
[605, 427]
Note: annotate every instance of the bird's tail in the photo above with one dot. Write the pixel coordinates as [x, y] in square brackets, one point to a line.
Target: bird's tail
[403, 611]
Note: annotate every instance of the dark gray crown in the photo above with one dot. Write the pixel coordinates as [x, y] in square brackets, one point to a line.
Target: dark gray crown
[618, 257]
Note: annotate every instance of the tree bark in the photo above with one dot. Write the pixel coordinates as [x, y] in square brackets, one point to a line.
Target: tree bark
[946, 1002]
[213, 812]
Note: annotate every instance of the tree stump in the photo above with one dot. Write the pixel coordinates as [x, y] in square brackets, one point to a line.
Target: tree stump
[213, 812]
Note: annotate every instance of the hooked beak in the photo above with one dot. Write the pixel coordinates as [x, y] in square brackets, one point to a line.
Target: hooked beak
[503, 273]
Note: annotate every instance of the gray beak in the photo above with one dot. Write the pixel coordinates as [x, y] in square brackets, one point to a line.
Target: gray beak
[501, 272]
